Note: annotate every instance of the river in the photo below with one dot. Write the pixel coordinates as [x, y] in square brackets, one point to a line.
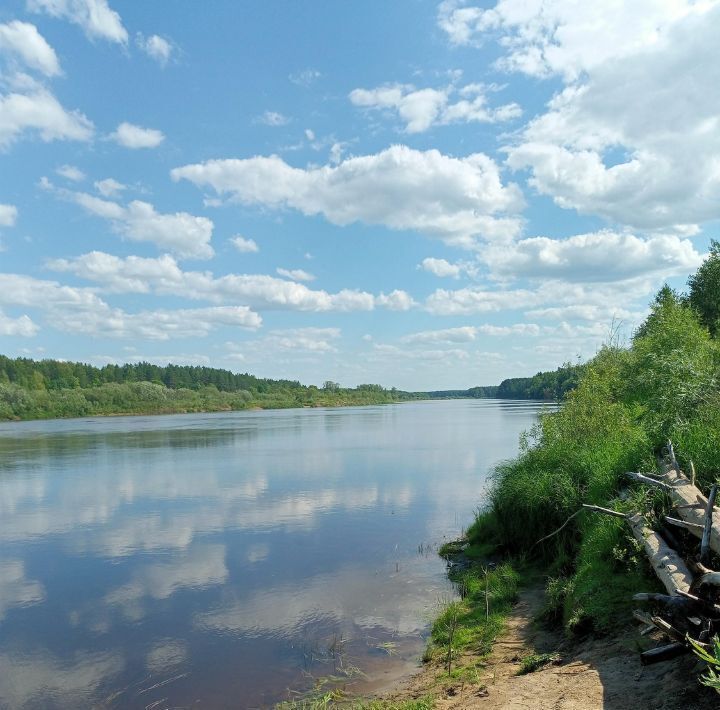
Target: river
[227, 560]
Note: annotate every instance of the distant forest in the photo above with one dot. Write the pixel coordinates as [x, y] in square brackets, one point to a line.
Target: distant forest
[31, 389]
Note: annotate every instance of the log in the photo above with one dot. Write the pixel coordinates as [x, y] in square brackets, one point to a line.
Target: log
[668, 565]
[663, 653]
[667, 629]
[678, 522]
[691, 505]
[707, 526]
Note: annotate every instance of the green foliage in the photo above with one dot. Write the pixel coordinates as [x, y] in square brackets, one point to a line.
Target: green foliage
[672, 367]
[704, 294]
[536, 661]
[711, 678]
[544, 385]
[624, 407]
[470, 624]
[51, 389]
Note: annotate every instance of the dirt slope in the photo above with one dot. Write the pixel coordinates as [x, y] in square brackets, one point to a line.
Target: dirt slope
[598, 673]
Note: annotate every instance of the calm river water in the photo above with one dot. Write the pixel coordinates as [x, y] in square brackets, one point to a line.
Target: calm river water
[225, 560]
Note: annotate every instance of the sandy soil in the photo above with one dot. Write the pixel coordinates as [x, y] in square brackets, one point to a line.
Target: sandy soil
[596, 673]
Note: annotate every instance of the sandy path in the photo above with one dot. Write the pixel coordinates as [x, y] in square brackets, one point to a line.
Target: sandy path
[598, 673]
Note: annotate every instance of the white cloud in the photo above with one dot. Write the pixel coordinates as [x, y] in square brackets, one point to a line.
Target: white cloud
[457, 199]
[109, 187]
[22, 40]
[38, 110]
[396, 300]
[441, 267]
[420, 109]
[305, 78]
[586, 312]
[22, 326]
[163, 276]
[470, 333]
[633, 135]
[95, 17]
[310, 340]
[295, 274]
[563, 36]
[156, 47]
[245, 246]
[599, 256]
[131, 136]
[8, 215]
[183, 234]
[81, 311]
[70, 172]
[273, 118]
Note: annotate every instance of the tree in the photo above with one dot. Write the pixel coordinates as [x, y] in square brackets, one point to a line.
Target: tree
[704, 296]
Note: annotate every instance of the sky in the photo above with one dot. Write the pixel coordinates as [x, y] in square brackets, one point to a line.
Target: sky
[416, 194]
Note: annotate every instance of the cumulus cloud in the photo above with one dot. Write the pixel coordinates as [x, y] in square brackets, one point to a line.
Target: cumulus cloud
[632, 137]
[22, 326]
[599, 256]
[23, 42]
[70, 172]
[244, 246]
[8, 215]
[308, 340]
[132, 136]
[97, 19]
[420, 109]
[396, 300]
[441, 267]
[39, 111]
[81, 311]
[563, 36]
[470, 333]
[295, 274]
[109, 187]
[156, 47]
[183, 234]
[163, 276]
[456, 199]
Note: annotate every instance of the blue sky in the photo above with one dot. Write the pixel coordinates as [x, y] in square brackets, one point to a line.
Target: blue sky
[419, 194]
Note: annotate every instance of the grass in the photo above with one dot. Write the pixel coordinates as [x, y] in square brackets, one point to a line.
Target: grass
[472, 623]
[536, 661]
[335, 700]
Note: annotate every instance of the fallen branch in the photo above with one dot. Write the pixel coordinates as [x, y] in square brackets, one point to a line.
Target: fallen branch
[643, 478]
[663, 653]
[707, 526]
[682, 523]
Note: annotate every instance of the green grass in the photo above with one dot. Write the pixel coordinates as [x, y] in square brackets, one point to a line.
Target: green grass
[473, 623]
[536, 661]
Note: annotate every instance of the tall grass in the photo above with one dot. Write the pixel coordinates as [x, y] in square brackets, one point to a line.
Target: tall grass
[629, 401]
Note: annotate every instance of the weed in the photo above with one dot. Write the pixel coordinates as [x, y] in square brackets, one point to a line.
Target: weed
[535, 662]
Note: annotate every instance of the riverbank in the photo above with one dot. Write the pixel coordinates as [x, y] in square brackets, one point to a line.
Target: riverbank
[628, 403]
[534, 667]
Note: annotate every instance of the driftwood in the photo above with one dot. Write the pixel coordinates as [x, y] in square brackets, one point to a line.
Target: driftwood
[668, 565]
[688, 614]
[664, 653]
[707, 527]
[691, 504]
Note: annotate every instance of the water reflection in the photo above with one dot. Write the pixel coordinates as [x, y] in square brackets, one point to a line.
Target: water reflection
[199, 557]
